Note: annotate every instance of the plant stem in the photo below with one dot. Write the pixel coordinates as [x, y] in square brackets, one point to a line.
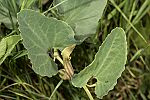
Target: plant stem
[88, 93]
[56, 56]
[55, 6]
[60, 82]
[22, 5]
[125, 17]
[93, 85]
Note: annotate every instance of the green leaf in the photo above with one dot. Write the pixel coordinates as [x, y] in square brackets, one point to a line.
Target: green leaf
[108, 64]
[82, 15]
[10, 43]
[6, 21]
[2, 48]
[20, 54]
[7, 13]
[41, 34]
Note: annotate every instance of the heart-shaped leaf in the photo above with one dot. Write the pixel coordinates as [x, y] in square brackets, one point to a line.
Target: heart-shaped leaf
[108, 64]
[82, 15]
[41, 34]
[7, 45]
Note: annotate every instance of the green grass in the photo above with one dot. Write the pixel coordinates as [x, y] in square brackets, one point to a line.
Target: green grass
[19, 82]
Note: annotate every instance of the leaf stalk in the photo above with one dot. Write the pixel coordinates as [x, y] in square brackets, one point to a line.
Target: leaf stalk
[88, 93]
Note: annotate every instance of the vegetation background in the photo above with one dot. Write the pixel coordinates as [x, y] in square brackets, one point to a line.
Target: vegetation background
[19, 82]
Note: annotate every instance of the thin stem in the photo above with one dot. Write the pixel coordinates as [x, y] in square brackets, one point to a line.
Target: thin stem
[61, 61]
[9, 86]
[55, 6]
[60, 82]
[88, 93]
[23, 5]
[93, 85]
[125, 17]
[56, 56]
